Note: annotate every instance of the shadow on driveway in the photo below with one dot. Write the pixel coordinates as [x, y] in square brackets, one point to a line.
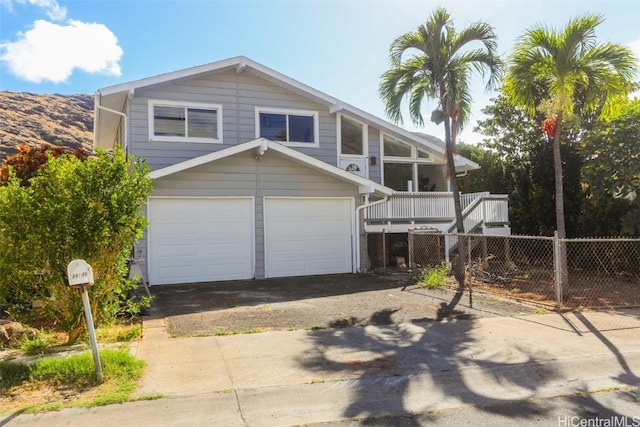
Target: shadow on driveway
[316, 302]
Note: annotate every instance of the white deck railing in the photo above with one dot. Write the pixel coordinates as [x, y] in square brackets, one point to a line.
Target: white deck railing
[437, 207]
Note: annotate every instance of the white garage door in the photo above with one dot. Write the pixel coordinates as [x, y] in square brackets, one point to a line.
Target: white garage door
[200, 240]
[306, 236]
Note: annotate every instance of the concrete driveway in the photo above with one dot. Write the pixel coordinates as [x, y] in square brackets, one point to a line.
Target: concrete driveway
[312, 303]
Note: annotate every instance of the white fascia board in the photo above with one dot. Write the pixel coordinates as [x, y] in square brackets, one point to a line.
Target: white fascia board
[174, 75]
[207, 158]
[263, 145]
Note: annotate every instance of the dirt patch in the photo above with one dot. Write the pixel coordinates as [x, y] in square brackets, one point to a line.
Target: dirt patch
[316, 302]
[586, 289]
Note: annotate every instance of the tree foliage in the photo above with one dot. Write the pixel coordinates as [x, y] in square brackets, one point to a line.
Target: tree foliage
[612, 153]
[71, 209]
[27, 162]
[571, 68]
[517, 150]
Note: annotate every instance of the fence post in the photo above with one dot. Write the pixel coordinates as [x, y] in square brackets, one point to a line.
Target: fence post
[557, 270]
[468, 279]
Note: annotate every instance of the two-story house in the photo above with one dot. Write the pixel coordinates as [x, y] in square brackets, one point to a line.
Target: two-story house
[257, 175]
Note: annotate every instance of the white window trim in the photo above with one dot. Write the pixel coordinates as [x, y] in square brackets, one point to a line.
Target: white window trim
[310, 113]
[414, 153]
[153, 102]
[365, 138]
[414, 160]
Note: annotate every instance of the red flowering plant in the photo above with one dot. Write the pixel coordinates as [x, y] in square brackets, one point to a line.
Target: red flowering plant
[549, 126]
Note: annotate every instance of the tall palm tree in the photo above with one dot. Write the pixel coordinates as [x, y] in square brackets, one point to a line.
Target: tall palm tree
[570, 67]
[436, 62]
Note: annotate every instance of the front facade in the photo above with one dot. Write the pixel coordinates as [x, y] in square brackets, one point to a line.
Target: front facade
[257, 175]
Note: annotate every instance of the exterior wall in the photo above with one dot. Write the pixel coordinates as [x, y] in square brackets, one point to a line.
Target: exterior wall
[246, 175]
[239, 94]
[374, 151]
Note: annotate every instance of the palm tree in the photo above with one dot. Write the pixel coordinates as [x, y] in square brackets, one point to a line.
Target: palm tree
[436, 62]
[571, 68]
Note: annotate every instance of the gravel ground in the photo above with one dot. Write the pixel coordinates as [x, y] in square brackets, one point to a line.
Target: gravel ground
[314, 302]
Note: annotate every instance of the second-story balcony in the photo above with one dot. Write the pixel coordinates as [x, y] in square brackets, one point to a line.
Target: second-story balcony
[482, 212]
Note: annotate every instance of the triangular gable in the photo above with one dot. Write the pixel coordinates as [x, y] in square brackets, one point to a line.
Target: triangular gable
[263, 145]
[115, 97]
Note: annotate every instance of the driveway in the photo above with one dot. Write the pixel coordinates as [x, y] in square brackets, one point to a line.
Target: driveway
[312, 303]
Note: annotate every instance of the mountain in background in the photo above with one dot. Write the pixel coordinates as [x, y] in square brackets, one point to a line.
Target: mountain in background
[32, 119]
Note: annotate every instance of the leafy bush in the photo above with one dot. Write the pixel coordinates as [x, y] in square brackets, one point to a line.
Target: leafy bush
[89, 209]
[37, 345]
[434, 278]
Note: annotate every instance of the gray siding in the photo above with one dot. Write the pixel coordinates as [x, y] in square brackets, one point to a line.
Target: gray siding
[244, 175]
[238, 94]
[374, 151]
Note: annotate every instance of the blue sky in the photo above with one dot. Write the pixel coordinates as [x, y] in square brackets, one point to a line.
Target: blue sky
[337, 46]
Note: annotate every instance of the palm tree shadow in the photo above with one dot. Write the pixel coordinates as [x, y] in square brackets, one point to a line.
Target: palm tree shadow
[396, 370]
[399, 370]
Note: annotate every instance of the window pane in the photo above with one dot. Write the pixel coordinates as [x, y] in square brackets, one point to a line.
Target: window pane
[300, 128]
[203, 123]
[273, 126]
[396, 175]
[168, 121]
[423, 155]
[428, 177]
[351, 137]
[393, 147]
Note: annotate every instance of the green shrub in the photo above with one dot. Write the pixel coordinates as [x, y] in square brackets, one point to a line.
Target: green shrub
[89, 209]
[37, 345]
[435, 277]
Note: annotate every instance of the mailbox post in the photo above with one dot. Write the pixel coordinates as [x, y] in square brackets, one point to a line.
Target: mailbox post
[80, 276]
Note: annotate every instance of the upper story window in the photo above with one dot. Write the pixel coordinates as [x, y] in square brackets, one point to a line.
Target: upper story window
[292, 127]
[190, 122]
[394, 148]
[352, 137]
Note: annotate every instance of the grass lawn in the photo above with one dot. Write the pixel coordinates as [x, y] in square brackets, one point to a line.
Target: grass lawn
[56, 380]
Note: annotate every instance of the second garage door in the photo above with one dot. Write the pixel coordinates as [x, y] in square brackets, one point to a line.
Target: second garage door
[307, 236]
[200, 239]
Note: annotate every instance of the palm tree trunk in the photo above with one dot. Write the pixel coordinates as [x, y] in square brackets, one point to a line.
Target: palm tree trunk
[458, 263]
[560, 223]
[451, 169]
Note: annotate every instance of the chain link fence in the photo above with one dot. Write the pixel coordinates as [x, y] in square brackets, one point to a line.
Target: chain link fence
[601, 273]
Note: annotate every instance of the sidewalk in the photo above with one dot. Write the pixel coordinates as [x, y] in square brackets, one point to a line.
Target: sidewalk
[300, 377]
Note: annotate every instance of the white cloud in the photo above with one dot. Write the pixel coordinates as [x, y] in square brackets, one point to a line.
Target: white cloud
[53, 9]
[635, 49]
[51, 52]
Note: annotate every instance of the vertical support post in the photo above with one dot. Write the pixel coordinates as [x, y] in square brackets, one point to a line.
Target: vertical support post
[557, 267]
[384, 251]
[447, 246]
[92, 333]
[410, 260]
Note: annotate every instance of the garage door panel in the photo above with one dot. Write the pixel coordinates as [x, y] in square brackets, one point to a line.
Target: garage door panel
[305, 236]
[198, 240]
